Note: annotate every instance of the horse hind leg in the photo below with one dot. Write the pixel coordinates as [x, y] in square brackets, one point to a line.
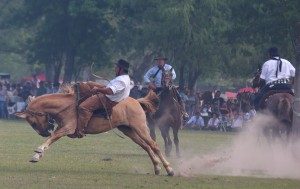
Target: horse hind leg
[138, 140]
[144, 135]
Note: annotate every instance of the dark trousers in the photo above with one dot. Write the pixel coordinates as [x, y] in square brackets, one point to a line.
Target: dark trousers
[266, 89]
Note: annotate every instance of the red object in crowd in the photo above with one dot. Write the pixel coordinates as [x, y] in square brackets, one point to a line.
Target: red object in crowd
[39, 77]
[246, 89]
[230, 95]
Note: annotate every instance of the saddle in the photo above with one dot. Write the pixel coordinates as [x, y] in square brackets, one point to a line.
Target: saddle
[263, 100]
[83, 92]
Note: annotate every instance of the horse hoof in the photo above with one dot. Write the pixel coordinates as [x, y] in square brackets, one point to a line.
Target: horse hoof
[39, 150]
[157, 172]
[34, 160]
[171, 173]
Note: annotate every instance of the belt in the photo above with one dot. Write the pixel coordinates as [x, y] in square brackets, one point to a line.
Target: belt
[280, 81]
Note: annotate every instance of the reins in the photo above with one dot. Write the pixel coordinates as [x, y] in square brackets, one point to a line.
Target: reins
[49, 116]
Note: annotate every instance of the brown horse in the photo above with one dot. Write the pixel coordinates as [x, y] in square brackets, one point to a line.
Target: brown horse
[278, 104]
[128, 116]
[168, 114]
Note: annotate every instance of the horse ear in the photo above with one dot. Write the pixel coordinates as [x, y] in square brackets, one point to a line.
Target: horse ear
[30, 99]
[21, 115]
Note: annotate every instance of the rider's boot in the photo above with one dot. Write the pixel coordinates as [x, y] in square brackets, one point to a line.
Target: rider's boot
[83, 119]
[185, 115]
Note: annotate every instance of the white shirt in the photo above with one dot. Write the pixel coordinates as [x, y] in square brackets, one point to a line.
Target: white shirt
[269, 70]
[157, 80]
[196, 121]
[237, 122]
[120, 87]
[216, 122]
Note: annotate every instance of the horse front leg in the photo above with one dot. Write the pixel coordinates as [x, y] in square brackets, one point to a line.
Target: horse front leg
[167, 140]
[54, 137]
[176, 141]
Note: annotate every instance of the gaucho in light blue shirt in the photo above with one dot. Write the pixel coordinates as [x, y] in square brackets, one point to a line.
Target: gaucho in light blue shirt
[157, 80]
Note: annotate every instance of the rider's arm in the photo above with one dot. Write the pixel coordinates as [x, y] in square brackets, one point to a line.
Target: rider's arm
[107, 91]
[147, 80]
[173, 74]
[94, 84]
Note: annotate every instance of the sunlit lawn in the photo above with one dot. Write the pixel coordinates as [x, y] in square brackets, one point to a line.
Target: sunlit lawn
[80, 163]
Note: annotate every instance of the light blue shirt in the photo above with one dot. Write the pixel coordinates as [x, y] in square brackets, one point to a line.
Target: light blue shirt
[199, 122]
[157, 80]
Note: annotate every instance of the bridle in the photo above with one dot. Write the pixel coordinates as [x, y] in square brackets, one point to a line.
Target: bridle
[50, 117]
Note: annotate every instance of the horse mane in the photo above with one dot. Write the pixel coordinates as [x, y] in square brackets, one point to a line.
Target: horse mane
[67, 88]
[149, 103]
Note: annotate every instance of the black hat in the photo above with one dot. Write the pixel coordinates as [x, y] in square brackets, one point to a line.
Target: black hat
[273, 51]
[123, 64]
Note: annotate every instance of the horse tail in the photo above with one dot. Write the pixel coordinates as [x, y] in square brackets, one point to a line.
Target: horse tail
[284, 110]
[150, 103]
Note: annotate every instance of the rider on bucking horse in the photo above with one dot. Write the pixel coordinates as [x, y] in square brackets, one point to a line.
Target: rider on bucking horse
[277, 75]
[156, 74]
[106, 96]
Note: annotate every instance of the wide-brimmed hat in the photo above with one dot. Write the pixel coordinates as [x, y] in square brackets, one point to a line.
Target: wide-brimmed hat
[160, 57]
[123, 64]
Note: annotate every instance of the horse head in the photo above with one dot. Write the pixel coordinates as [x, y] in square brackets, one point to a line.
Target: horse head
[41, 122]
[167, 78]
[256, 81]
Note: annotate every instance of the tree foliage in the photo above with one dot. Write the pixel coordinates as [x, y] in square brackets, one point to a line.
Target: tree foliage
[204, 40]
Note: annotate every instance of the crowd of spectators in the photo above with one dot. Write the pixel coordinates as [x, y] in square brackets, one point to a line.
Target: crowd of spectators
[13, 96]
[217, 114]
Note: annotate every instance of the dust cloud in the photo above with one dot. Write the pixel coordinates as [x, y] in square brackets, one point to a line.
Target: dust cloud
[250, 154]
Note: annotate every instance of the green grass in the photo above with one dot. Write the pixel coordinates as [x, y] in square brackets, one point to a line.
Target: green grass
[78, 163]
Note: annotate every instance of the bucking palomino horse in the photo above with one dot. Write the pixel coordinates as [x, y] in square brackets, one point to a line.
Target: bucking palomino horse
[168, 114]
[128, 116]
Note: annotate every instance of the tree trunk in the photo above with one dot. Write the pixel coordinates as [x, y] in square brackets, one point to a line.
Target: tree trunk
[296, 105]
[138, 72]
[181, 76]
[57, 70]
[49, 71]
[69, 66]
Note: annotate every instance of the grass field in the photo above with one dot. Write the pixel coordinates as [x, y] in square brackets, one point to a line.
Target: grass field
[80, 163]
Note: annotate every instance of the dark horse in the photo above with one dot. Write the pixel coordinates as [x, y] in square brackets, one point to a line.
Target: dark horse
[278, 104]
[168, 114]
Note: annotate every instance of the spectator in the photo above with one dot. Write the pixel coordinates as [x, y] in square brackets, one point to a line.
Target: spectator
[237, 122]
[42, 89]
[218, 105]
[56, 86]
[212, 124]
[195, 122]
[205, 113]
[3, 102]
